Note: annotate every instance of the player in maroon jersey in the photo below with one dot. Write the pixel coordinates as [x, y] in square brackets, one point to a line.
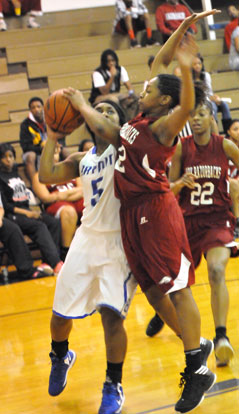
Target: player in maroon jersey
[153, 230]
[205, 201]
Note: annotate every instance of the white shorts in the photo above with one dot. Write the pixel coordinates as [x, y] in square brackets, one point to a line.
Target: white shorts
[95, 274]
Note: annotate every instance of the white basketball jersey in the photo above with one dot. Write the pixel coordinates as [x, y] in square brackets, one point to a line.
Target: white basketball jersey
[101, 212]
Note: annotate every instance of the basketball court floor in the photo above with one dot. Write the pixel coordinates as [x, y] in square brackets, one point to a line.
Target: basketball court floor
[151, 371]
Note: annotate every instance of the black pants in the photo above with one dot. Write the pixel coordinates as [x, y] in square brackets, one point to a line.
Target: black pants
[12, 238]
[45, 232]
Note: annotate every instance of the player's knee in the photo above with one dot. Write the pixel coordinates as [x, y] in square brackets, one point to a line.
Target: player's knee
[216, 273]
[58, 321]
[110, 319]
[68, 214]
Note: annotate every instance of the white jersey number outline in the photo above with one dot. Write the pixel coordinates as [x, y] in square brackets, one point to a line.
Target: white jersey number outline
[201, 194]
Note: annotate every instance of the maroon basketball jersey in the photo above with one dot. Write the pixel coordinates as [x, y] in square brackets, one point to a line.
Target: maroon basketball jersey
[142, 161]
[233, 172]
[210, 165]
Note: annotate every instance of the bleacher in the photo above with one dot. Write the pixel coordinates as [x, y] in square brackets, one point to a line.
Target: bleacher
[65, 50]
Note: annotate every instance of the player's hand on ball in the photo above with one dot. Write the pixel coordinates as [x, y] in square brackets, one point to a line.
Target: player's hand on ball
[75, 97]
[54, 135]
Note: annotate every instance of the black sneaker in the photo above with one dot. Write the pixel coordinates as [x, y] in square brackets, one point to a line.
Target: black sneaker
[207, 347]
[223, 351]
[155, 325]
[195, 385]
[151, 42]
[134, 43]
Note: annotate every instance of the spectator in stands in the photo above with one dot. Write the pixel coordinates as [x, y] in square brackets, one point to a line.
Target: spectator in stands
[169, 16]
[33, 136]
[131, 17]
[234, 50]
[233, 172]
[18, 8]
[107, 78]
[63, 201]
[233, 14]
[35, 224]
[85, 145]
[13, 240]
[199, 74]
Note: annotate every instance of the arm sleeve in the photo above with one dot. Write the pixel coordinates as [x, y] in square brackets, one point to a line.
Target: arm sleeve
[160, 21]
[208, 83]
[98, 80]
[124, 75]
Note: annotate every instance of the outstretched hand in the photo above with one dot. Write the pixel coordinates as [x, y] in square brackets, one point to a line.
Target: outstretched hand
[186, 52]
[198, 16]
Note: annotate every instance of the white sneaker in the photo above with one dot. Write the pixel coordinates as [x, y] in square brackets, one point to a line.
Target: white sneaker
[32, 23]
[3, 25]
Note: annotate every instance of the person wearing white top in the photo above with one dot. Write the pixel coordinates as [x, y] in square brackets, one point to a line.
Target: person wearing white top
[109, 76]
[234, 50]
[96, 275]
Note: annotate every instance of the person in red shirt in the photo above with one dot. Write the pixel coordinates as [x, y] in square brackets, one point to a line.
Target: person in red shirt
[233, 14]
[169, 16]
[204, 197]
[152, 226]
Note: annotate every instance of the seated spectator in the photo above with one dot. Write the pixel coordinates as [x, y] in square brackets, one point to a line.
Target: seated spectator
[19, 8]
[169, 16]
[107, 78]
[33, 136]
[233, 14]
[131, 17]
[233, 172]
[35, 224]
[199, 74]
[234, 50]
[85, 145]
[13, 240]
[63, 201]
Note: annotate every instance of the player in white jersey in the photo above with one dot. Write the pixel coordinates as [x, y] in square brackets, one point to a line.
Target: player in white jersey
[95, 275]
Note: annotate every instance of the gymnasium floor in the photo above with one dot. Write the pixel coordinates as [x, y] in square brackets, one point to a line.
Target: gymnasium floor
[151, 371]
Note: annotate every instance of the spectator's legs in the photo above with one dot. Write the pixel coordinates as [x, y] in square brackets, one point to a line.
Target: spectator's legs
[38, 232]
[13, 240]
[69, 218]
[214, 110]
[226, 116]
[54, 227]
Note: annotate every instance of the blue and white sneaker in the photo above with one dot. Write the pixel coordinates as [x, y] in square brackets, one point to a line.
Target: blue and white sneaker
[59, 371]
[112, 399]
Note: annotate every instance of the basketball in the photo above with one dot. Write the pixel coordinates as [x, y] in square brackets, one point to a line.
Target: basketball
[60, 115]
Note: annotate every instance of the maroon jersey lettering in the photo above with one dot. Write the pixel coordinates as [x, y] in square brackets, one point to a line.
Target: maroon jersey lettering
[142, 160]
[210, 165]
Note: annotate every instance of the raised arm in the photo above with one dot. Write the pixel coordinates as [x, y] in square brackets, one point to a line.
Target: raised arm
[100, 125]
[168, 127]
[53, 173]
[168, 50]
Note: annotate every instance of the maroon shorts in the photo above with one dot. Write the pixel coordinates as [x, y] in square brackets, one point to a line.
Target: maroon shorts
[206, 231]
[77, 205]
[155, 242]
